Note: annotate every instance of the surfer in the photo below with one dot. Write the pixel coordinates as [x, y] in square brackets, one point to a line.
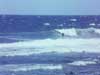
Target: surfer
[62, 34]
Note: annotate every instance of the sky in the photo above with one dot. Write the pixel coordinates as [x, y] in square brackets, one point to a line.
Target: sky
[50, 7]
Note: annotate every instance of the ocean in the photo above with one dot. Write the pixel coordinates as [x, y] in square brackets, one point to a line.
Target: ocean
[40, 45]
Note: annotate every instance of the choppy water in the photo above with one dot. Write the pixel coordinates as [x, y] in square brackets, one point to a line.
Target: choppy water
[34, 45]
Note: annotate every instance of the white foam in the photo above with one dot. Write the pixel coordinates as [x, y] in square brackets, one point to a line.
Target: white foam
[52, 45]
[49, 45]
[74, 20]
[29, 67]
[47, 24]
[82, 63]
[92, 24]
[88, 32]
[97, 31]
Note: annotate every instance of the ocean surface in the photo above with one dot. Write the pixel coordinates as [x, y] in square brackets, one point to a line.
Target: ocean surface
[40, 45]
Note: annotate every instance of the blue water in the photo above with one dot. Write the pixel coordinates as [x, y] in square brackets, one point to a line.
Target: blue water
[25, 23]
[30, 45]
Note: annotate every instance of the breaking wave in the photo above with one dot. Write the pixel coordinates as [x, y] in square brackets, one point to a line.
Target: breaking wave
[50, 45]
[59, 45]
[81, 33]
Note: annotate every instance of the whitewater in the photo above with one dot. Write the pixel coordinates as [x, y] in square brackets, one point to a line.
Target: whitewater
[59, 45]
